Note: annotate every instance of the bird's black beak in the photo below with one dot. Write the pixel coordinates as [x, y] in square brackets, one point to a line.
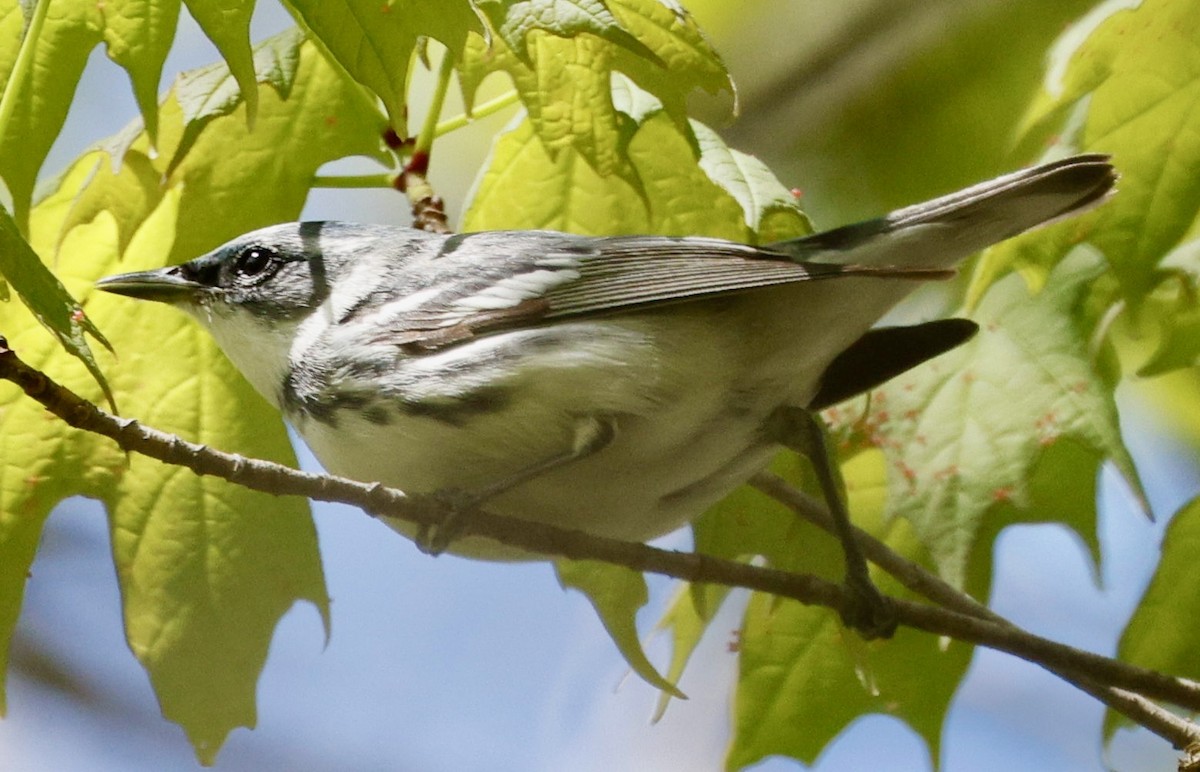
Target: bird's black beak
[166, 285]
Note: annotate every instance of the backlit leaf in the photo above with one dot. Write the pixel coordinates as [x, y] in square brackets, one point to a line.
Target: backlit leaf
[524, 186]
[138, 35]
[47, 299]
[375, 40]
[803, 679]
[1127, 83]
[227, 25]
[566, 83]
[312, 113]
[966, 432]
[616, 593]
[206, 568]
[1162, 635]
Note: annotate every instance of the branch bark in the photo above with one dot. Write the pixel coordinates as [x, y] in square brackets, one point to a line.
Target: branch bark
[1119, 684]
[1178, 731]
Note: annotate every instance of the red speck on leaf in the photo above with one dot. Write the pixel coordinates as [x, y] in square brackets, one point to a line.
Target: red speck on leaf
[947, 473]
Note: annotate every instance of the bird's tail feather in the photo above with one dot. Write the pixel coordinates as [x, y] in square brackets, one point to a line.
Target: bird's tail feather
[941, 232]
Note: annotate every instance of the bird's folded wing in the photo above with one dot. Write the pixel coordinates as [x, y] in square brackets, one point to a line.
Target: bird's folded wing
[549, 277]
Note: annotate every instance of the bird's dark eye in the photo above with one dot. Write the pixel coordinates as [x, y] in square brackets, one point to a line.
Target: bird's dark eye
[256, 263]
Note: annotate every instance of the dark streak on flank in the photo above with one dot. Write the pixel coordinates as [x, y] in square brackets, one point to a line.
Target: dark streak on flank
[329, 405]
[457, 411]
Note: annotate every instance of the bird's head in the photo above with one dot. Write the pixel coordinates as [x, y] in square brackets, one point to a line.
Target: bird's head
[254, 292]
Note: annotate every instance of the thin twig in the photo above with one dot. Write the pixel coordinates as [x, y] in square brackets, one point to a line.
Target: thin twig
[908, 573]
[429, 128]
[1178, 731]
[552, 541]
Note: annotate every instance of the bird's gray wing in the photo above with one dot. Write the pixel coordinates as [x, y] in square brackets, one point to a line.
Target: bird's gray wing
[519, 279]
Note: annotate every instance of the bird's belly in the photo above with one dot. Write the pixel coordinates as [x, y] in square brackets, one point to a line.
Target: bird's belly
[659, 472]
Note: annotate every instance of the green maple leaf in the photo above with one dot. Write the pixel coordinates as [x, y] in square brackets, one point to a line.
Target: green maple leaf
[206, 568]
[1162, 634]
[691, 183]
[227, 25]
[375, 40]
[1124, 81]
[562, 57]
[138, 35]
[802, 677]
[964, 434]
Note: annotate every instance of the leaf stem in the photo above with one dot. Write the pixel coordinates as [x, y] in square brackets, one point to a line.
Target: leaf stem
[481, 111]
[21, 71]
[429, 211]
[352, 181]
[429, 129]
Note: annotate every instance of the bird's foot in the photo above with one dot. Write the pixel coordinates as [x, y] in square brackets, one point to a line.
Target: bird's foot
[435, 538]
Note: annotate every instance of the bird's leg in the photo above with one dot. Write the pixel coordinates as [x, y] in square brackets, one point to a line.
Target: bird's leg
[592, 434]
[867, 610]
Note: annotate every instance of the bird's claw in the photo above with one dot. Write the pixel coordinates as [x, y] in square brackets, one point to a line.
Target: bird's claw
[435, 538]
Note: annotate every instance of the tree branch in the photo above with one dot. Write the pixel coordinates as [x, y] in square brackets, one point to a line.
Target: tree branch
[973, 626]
[1178, 731]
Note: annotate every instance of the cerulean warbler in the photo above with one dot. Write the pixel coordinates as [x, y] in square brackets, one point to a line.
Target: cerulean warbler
[617, 385]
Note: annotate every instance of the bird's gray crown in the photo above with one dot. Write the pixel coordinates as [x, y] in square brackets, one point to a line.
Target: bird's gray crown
[286, 270]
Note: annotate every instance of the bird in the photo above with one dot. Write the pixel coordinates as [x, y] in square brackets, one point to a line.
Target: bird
[617, 385]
